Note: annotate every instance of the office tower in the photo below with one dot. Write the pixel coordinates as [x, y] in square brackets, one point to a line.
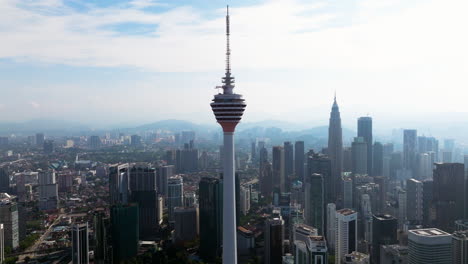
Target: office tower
[347, 160]
[80, 244]
[40, 139]
[228, 108]
[425, 166]
[359, 156]
[427, 202]
[288, 160]
[409, 149]
[163, 173]
[101, 242]
[384, 232]
[460, 247]
[124, 232]
[378, 159]
[335, 150]
[321, 164]
[301, 232]
[245, 241]
[48, 146]
[170, 157]
[143, 192]
[312, 251]
[135, 140]
[175, 195]
[299, 160]
[2, 244]
[94, 142]
[449, 194]
[48, 190]
[314, 201]
[347, 192]
[266, 179]
[4, 180]
[461, 225]
[274, 239]
[356, 258]
[244, 200]
[396, 164]
[365, 131]
[345, 233]
[429, 245]
[414, 201]
[401, 197]
[186, 224]
[392, 254]
[382, 203]
[210, 217]
[365, 218]
[186, 159]
[9, 219]
[279, 176]
[119, 184]
[331, 226]
[187, 137]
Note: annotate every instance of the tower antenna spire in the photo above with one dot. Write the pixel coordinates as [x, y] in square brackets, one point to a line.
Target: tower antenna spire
[228, 80]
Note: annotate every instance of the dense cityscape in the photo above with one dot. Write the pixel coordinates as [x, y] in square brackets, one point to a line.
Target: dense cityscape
[176, 192]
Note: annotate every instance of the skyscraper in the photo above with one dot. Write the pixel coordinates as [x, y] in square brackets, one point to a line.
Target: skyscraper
[101, 233]
[378, 159]
[384, 232]
[80, 244]
[124, 232]
[299, 160]
[274, 238]
[314, 210]
[288, 162]
[119, 184]
[409, 149]
[365, 131]
[175, 195]
[40, 139]
[9, 219]
[2, 244]
[359, 155]
[4, 180]
[460, 247]
[414, 201]
[228, 108]
[321, 164]
[279, 175]
[346, 233]
[210, 217]
[335, 150]
[429, 245]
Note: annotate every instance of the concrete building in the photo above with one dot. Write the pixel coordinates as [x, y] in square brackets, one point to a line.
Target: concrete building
[274, 239]
[391, 254]
[460, 247]
[245, 241]
[359, 156]
[331, 226]
[288, 161]
[278, 166]
[429, 245]
[384, 232]
[80, 244]
[119, 187]
[409, 150]
[414, 201]
[314, 210]
[175, 195]
[48, 191]
[244, 199]
[299, 160]
[2, 244]
[365, 131]
[163, 173]
[9, 219]
[356, 258]
[210, 218]
[312, 251]
[186, 226]
[345, 233]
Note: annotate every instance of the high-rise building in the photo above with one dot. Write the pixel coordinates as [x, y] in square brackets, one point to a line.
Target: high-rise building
[460, 247]
[384, 232]
[449, 195]
[186, 223]
[101, 241]
[175, 195]
[391, 254]
[143, 192]
[228, 108]
[48, 146]
[331, 228]
[427, 202]
[40, 139]
[244, 199]
[80, 244]
[274, 239]
[345, 233]
[299, 159]
[266, 179]
[278, 164]
[359, 156]
[94, 142]
[365, 131]
[2, 244]
[314, 210]
[119, 184]
[163, 173]
[9, 219]
[348, 192]
[135, 140]
[401, 197]
[378, 159]
[409, 150]
[48, 191]
[321, 164]
[414, 201]
[311, 251]
[210, 217]
[425, 166]
[4, 180]
[124, 232]
[288, 161]
[187, 159]
[429, 245]
[335, 150]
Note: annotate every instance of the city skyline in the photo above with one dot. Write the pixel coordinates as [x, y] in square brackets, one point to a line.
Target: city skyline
[131, 63]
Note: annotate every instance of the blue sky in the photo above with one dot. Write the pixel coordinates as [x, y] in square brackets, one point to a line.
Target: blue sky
[109, 62]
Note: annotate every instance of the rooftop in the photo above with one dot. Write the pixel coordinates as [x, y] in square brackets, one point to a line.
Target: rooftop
[346, 211]
[429, 232]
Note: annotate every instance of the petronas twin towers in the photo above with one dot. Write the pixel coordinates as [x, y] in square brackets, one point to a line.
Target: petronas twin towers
[335, 152]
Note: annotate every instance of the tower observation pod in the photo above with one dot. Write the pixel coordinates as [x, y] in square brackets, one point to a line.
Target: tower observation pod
[228, 109]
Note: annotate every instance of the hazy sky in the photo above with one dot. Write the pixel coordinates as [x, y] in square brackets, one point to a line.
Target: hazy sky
[141, 61]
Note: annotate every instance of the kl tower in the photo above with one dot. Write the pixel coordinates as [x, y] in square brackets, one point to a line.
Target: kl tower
[228, 108]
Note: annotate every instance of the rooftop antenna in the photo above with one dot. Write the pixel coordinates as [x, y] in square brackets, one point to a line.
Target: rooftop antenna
[228, 80]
